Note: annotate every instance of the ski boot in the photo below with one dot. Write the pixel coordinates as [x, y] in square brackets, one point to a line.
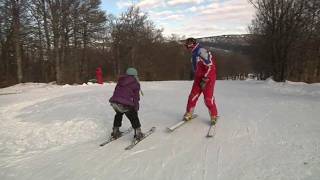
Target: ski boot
[214, 120]
[115, 133]
[187, 116]
[138, 135]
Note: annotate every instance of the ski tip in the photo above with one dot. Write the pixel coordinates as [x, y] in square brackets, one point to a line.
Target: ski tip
[169, 129]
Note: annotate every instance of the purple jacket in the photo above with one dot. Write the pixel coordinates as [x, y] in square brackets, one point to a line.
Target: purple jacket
[127, 92]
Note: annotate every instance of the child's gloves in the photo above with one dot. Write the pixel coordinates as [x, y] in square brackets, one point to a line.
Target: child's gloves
[203, 82]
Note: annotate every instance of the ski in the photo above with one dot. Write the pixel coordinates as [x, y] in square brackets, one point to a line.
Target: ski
[179, 124]
[112, 139]
[211, 131]
[135, 141]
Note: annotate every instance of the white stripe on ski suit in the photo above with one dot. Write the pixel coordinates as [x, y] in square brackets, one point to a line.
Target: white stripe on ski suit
[195, 97]
[208, 71]
[205, 53]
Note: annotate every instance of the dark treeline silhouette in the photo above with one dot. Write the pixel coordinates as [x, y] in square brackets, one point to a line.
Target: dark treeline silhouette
[287, 39]
[232, 64]
[65, 41]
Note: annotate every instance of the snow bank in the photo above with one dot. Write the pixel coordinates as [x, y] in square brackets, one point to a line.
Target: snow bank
[42, 117]
[297, 88]
[28, 136]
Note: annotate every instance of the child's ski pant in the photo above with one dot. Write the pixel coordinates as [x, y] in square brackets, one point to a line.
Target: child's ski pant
[131, 115]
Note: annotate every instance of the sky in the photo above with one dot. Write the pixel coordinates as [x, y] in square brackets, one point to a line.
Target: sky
[191, 18]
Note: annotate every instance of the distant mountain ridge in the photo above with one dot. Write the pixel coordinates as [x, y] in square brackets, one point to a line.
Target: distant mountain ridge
[238, 39]
[236, 43]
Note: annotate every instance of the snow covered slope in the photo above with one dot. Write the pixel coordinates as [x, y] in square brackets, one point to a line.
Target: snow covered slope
[267, 131]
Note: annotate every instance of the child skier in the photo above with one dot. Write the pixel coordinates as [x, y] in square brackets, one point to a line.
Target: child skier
[125, 100]
[204, 68]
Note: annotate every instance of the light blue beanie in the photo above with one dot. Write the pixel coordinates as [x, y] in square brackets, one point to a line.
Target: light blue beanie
[132, 72]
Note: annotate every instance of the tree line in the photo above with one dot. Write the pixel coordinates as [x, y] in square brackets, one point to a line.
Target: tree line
[287, 39]
[66, 40]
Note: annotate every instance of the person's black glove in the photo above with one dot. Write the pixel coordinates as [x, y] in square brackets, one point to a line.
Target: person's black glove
[203, 82]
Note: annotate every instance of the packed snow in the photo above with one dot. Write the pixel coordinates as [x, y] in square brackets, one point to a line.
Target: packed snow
[266, 130]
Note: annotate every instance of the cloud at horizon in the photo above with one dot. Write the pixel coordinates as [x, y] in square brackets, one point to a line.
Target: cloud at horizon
[197, 18]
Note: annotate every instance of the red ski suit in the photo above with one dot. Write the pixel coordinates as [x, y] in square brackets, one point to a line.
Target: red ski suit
[99, 75]
[205, 69]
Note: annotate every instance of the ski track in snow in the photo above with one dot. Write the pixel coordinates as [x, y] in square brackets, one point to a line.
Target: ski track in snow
[266, 131]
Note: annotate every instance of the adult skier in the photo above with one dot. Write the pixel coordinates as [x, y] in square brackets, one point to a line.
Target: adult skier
[204, 68]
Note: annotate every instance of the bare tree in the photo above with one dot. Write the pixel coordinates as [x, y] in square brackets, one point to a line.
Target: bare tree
[280, 25]
[92, 24]
[10, 38]
[16, 37]
[132, 35]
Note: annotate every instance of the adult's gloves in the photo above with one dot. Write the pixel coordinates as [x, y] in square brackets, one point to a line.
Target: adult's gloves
[203, 82]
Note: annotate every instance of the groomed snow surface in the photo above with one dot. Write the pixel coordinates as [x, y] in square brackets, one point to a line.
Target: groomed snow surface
[266, 131]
